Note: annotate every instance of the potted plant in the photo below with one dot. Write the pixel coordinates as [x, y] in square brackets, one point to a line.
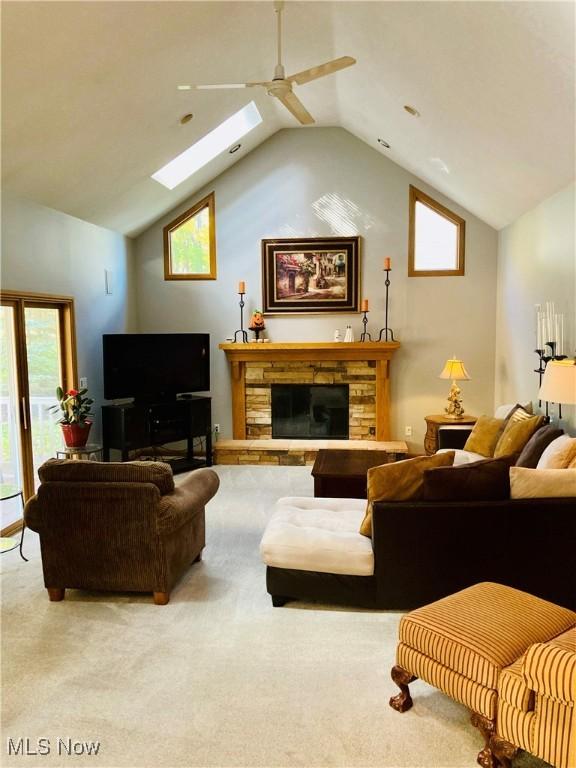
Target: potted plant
[75, 408]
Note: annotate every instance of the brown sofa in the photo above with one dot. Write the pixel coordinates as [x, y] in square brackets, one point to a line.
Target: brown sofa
[425, 550]
[118, 526]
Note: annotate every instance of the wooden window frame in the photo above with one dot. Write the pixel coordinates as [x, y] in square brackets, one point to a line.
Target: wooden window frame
[21, 300]
[206, 202]
[417, 196]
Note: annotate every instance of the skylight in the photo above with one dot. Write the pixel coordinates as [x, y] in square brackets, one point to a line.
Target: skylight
[209, 146]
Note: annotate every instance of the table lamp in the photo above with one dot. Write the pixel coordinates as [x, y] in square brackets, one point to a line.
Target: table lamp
[559, 384]
[454, 369]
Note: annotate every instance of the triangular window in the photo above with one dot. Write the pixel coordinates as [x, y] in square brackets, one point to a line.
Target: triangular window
[436, 238]
[190, 244]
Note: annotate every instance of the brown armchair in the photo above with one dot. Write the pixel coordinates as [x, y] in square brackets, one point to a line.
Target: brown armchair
[118, 526]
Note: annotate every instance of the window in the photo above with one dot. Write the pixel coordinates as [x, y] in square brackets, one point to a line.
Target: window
[436, 238]
[208, 147]
[190, 244]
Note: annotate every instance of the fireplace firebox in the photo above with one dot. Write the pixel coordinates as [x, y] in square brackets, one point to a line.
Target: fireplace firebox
[310, 411]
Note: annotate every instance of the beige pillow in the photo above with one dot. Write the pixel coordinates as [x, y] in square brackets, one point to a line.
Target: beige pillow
[516, 434]
[399, 481]
[542, 483]
[548, 459]
[484, 436]
[559, 454]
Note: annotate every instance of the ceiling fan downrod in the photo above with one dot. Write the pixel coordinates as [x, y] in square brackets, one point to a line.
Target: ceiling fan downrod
[279, 73]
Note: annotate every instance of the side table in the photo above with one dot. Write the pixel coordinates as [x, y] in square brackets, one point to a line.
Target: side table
[90, 451]
[440, 420]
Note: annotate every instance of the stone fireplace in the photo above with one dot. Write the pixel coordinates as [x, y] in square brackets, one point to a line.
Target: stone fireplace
[363, 367]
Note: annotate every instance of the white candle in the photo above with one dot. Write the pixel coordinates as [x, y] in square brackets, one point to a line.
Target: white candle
[556, 331]
[550, 312]
[538, 326]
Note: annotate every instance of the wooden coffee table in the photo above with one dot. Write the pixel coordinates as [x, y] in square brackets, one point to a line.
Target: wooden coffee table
[342, 473]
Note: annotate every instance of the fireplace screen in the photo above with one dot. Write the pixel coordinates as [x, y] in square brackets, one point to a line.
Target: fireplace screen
[310, 411]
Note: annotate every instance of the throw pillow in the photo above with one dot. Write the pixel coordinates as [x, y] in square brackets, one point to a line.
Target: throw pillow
[486, 480]
[516, 434]
[559, 454]
[399, 481]
[534, 448]
[519, 413]
[505, 411]
[484, 436]
[542, 483]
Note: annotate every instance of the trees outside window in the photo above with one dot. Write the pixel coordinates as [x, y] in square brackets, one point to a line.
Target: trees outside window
[190, 244]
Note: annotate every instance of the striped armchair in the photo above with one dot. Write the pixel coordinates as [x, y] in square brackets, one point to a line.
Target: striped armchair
[537, 703]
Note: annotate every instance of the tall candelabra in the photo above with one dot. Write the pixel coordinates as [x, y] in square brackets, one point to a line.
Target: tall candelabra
[241, 331]
[386, 330]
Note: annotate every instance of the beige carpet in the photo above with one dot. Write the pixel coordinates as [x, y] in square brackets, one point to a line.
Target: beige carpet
[218, 677]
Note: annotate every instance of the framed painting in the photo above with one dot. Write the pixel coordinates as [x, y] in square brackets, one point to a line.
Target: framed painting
[190, 243]
[311, 275]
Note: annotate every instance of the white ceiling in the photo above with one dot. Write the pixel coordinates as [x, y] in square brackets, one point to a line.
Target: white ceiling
[90, 107]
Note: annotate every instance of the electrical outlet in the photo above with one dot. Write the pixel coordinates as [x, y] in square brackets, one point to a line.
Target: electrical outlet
[408, 431]
[371, 430]
[216, 429]
[83, 382]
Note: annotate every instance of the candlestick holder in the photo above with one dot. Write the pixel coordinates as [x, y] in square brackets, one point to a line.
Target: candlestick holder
[241, 331]
[365, 336]
[386, 330]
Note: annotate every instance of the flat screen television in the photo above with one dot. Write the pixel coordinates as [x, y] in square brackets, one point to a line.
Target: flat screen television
[155, 367]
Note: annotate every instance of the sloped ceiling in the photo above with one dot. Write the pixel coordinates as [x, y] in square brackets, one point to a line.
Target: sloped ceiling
[90, 107]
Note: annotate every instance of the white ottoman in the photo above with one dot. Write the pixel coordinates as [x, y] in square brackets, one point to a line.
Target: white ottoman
[313, 550]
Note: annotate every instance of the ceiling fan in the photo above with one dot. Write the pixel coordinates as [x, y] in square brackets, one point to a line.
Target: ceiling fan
[281, 86]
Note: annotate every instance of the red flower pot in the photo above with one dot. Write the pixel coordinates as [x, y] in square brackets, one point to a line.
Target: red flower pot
[76, 435]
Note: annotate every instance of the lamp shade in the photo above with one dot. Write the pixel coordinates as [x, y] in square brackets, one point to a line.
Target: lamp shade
[454, 369]
[559, 382]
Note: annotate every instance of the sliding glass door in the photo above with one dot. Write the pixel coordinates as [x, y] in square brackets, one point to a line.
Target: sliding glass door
[37, 355]
[45, 373]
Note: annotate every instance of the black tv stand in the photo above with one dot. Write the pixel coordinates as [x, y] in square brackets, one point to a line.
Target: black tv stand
[145, 425]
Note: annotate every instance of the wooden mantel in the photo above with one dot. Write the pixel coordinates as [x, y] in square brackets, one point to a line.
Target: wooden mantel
[380, 352]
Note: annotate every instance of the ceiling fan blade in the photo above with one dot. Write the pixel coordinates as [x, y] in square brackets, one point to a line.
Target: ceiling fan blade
[221, 86]
[218, 86]
[322, 70]
[295, 106]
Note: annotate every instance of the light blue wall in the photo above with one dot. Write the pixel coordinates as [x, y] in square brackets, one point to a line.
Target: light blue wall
[47, 251]
[326, 182]
[536, 263]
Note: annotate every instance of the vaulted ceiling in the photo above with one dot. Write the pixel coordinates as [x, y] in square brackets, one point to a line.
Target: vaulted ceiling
[90, 107]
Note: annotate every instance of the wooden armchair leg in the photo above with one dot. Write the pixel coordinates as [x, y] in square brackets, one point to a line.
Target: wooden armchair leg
[503, 751]
[486, 727]
[161, 598]
[402, 701]
[55, 594]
